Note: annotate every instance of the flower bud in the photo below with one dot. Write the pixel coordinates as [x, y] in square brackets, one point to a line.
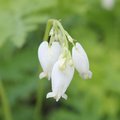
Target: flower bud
[80, 61]
[48, 55]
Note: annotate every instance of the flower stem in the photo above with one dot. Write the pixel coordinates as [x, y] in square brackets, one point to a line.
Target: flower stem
[63, 32]
[39, 100]
[47, 30]
[5, 103]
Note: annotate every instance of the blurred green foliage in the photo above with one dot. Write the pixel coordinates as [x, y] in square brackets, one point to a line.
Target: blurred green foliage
[23, 95]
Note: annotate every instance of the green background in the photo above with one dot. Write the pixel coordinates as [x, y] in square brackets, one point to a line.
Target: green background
[23, 95]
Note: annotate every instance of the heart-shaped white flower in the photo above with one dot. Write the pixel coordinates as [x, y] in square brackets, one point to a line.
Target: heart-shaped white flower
[80, 61]
[60, 80]
[48, 55]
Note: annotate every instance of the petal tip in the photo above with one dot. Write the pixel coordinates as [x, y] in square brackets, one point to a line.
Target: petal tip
[50, 94]
[87, 75]
[42, 75]
[64, 96]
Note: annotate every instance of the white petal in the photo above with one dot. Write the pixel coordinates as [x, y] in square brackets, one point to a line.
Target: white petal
[48, 55]
[50, 94]
[42, 75]
[64, 96]
[80, 61]
[87, 75]
[60, 80]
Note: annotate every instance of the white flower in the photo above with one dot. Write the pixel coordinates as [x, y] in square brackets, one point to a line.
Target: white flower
[108, 4]
[48, 55]
[60, 79]
[80, 61]
[56, 61]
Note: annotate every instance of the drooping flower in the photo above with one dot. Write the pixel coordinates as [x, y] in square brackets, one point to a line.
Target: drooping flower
[48, 55]
[108, 4]
[80, 61]
[56, 61]
[61, 79]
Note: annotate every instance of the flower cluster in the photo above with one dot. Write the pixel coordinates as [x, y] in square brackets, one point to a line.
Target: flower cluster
[57, 62]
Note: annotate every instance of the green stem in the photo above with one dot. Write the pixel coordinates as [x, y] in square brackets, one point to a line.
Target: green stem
[5, 103]
[69, 38]
[47, 30]
[38, 103]
[63, 32]
[39, 100]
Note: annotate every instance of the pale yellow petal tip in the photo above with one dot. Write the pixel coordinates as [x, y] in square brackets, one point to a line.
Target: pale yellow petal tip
[56, 97]
[42, 75]
[64, 96]
[50, 94]
[87, 75]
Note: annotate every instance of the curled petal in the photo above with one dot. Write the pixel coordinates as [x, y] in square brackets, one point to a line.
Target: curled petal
[42, 75]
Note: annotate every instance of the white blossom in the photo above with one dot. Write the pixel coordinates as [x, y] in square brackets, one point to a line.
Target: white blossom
[108, 4]
[56, 61]
[80, 61]
[48, 55]
[61, 79]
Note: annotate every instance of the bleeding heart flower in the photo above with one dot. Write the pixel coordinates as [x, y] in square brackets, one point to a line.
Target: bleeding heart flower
[61, 79]
[56, 61]
[48, 55]
[80, 61]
